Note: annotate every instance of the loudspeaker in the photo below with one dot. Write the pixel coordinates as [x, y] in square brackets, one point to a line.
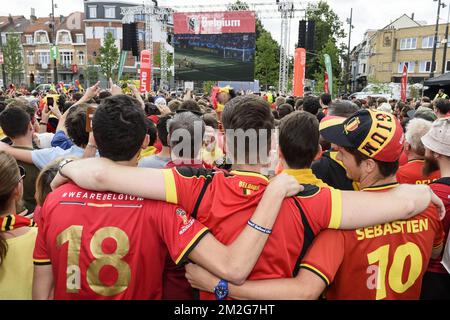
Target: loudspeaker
[302, 34]
[310, 42]
[130, 38]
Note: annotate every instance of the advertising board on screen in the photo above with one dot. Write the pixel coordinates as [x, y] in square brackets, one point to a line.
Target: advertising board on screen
[215, 45]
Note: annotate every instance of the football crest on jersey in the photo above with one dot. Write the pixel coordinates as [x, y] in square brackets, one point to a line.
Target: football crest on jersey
[181, 213]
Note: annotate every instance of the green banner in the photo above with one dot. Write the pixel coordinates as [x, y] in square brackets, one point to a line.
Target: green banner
[329, 68]
[123, 58]
[54, 52]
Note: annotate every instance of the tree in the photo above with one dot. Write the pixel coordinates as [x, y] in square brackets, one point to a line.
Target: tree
[267, 58]
[329, 30]
[12, 55]
[109, 56]
[91, 73]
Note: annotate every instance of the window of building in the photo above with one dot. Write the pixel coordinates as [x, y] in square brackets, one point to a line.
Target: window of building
[92, 12]
[80, 38]
[408, 43]
[30, 57]
[64, 38]
[447, 66]
[81, 57]
[41, 37]
[66, 58]
[110, 12]
[425, 66]
[29, 39]
[44, 58]
[113, 31]
[428, 42]
[409, 64]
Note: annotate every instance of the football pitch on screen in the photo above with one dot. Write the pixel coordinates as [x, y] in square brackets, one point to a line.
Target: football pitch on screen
[195, 65]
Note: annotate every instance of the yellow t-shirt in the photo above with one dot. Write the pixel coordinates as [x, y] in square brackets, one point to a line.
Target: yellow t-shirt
[16, 271]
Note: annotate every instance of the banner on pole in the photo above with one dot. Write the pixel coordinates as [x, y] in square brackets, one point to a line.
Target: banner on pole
[404, 83]
[299, 71]
[146, 71]
[329, 68]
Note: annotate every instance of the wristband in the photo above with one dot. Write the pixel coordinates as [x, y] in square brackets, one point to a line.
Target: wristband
[61, 166]
[90, 145]
[259, 228]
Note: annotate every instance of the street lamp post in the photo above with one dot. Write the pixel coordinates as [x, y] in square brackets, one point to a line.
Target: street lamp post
[445, 42]
[347, 80]
[3, 64]
[55, 70]
[433, 58]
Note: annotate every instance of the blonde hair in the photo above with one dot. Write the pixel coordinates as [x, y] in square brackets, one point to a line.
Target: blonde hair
[9, 178]
[415, 130]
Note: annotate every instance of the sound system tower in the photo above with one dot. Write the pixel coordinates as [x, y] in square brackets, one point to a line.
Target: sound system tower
[310, 41]
[302, 34]
[130, 38]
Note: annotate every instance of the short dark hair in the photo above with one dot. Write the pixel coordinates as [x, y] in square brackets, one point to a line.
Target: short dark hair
[162, 129]
[381, 100]
[25, 106]
[386, 169]
[76, 125]
[284, 110]
[299, 139]
[14, 121]
[443, 106]
[186, 121]
[247, 113]
[151, 109]
[426, 99]
[210, 120]
[103, 95]
[151, 131]
[344, 108]
[311, 104]
[191, 105]
[298, 103]
[326, 99]
[77, 96]
[119, 127]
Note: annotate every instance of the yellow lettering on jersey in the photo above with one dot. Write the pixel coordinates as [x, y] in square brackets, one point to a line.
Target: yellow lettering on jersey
[412, 226]
[360, 234]
[245, 185]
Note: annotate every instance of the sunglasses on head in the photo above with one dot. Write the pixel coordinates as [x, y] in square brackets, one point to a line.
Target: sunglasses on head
[22, 173]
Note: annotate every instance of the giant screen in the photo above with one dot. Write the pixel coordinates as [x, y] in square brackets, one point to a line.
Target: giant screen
[215, 45]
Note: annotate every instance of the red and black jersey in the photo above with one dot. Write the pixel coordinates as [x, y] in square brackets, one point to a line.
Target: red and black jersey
[412, 173]
[441, 188]
[226, 201]
[379, 262]
[111, 246]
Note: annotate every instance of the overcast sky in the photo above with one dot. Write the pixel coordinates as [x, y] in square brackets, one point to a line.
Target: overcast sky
[367, 14]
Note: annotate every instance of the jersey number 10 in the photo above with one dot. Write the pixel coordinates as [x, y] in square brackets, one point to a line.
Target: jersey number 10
[381, 256]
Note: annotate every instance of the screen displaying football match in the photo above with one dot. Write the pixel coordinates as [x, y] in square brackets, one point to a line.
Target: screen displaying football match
[215, 46]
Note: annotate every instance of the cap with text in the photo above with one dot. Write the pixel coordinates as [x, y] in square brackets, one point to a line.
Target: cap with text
[376, 134]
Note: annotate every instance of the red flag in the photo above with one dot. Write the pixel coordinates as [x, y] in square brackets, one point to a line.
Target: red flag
[299, 71]
[326, 87]
[404, 83]
[146, 71]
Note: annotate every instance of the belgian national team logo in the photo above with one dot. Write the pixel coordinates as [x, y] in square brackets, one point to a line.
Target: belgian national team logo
[352, 125]
[182, 214]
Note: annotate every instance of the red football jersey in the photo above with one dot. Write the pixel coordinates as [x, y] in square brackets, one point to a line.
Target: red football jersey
[441, 188]
[411, 173]
[380, 262]
[111, 246]
[226, 201]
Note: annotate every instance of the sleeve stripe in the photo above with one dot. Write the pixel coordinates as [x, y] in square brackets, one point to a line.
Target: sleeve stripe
[192, 244]
[170, 187]
[336, 209]
[317, 272]
[41, 262]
